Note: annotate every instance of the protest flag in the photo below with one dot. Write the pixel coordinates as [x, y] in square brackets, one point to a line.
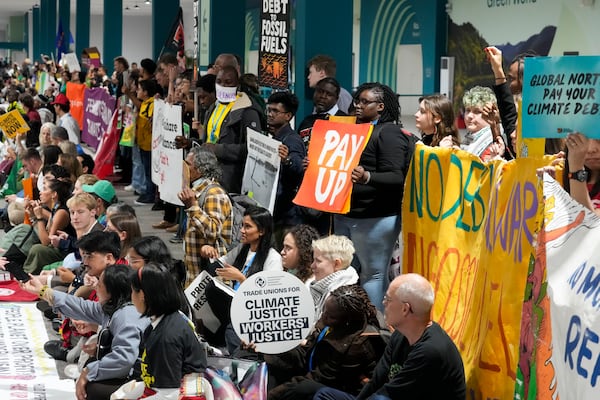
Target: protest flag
[175, 41]
[61, 43]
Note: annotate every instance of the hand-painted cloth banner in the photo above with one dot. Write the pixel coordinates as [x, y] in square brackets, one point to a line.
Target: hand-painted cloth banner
[261, 173]
[75, 94]
[469, 227]
[572, 235]
[561, 95]
[13, 123]
[26, 371]
[167, 160]
[98, 110]
[334, 150]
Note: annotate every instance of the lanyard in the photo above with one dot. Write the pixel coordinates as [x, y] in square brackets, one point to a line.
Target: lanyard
[245, 271]
[324, 332]
[216, 120]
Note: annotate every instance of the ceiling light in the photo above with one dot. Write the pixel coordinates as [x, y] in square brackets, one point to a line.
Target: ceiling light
[127, 8]
[136, 6]
[147, 2]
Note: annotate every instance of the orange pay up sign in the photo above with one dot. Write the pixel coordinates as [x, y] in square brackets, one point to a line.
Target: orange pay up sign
[335, 149]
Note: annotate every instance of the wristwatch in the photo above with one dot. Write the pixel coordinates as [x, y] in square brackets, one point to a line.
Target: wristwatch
[581, 175]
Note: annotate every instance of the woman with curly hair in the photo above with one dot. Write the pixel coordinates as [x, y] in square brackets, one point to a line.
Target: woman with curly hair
[435, 120]
[297, 254]
[483, 136]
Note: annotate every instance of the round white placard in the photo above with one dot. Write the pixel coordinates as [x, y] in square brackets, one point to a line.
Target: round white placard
[274, 310]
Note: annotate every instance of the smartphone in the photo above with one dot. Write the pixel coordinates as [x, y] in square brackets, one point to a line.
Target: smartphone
[17, 271]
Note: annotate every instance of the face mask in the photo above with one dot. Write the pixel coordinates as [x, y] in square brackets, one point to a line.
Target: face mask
[225, 94]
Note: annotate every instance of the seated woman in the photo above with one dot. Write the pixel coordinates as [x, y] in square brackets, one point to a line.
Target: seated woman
[297, 254]
[331, 267]
[170, 348]
[341, 352]
[254, 254]
[126, 226]
[152, 249]
[53, 196]
[120, 321]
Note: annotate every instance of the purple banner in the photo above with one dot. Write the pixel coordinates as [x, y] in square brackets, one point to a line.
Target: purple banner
[98, 107]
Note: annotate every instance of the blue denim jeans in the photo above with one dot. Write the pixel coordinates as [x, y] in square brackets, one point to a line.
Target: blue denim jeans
[374, 240]
[138, 175]
[146, 157]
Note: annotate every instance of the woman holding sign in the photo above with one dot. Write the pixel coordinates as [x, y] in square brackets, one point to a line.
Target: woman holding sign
[373, 222]
[255, 253]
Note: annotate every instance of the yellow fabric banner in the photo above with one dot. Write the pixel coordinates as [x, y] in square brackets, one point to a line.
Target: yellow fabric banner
[469, 227]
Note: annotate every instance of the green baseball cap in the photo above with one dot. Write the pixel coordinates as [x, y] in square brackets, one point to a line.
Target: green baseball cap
[103, 189]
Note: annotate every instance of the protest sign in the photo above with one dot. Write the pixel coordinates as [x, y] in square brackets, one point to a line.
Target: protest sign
[573, 278]
[72, 62]
[334, 150]
[75, 94]
[97, 113]
[26, 371]
[273, 54]
[469, 227]
[13, 123]
[261, 173]
[167, 159]
[561, 95]
[274, 310]
[206, 292]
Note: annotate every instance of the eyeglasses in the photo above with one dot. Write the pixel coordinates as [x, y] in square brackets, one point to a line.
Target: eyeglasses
[132, 260]
[275, 111]
[364, 102]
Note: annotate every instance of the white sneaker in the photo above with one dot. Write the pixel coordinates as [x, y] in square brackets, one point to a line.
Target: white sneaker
[129, 188]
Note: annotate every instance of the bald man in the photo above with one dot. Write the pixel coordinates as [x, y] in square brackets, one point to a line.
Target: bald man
[420, 361]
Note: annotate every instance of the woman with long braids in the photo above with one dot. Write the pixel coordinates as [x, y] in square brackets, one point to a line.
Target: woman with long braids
[342, 350]
[373, 223]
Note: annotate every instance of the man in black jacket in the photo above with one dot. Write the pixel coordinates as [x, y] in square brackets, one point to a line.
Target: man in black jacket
[420, 361]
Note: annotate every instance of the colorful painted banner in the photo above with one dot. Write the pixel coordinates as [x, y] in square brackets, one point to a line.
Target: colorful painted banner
[469, 227]
[273, 55]
[167, 159]
[26, 371]
[334, 150]
[98, 110]
[571, 243]
[13, 123]
[76, 94]
[261, 173]
[561, 95]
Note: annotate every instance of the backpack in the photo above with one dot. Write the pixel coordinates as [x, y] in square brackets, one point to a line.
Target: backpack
[239, 203]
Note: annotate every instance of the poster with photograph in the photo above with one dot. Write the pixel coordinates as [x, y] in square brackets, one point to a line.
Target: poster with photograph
[261, 174]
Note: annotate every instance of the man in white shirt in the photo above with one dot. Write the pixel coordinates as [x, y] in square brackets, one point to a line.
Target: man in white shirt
[62, 106]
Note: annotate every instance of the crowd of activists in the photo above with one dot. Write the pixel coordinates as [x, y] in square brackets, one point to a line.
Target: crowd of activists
[115, 294]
